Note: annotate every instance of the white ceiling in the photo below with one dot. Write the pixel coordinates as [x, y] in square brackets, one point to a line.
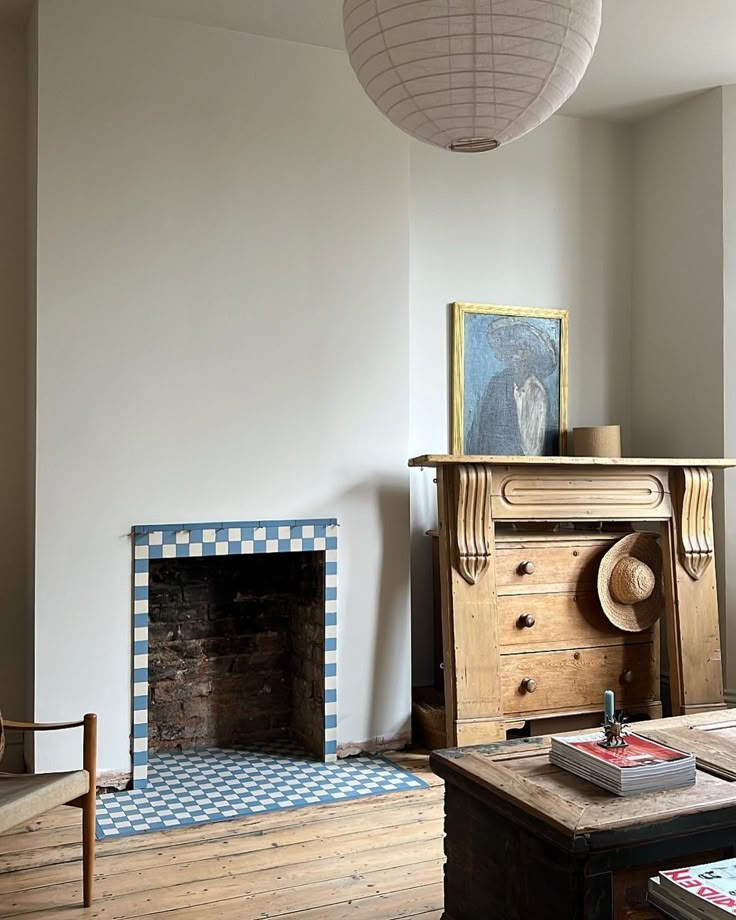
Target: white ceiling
[316, 22]
[651, 52]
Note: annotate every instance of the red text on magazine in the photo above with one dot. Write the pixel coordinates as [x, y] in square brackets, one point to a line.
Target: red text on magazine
[683, 878]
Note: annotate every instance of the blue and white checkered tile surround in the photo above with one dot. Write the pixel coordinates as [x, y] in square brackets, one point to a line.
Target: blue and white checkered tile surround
[170, 541]
[216, 784]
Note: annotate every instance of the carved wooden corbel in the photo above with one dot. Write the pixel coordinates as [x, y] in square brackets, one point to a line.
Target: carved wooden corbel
[473, 525]
[696, 522]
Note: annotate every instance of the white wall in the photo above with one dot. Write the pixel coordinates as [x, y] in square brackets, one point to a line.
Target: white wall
[222, 335]
[14, 572]
[225, 296]
[30, 369]
[729, 380]
[544, 222]
[677, 372]
[678, 316]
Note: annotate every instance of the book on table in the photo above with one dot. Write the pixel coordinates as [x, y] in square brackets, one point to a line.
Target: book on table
[639, 766]
[706, 892]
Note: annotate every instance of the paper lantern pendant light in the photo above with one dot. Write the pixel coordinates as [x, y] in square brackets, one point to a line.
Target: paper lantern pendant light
[470, 75]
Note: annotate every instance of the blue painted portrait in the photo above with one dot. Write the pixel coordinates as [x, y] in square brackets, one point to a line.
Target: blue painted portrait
[511, 381]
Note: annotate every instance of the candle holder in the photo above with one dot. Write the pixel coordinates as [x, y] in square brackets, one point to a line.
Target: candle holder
[615, 731]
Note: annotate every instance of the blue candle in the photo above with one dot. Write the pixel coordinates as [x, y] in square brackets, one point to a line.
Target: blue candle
[608, 705]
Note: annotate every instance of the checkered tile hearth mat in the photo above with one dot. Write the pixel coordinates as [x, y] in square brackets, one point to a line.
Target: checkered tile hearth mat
[215, 784]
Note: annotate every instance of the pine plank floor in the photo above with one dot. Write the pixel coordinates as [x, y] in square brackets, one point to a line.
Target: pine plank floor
[376, 859]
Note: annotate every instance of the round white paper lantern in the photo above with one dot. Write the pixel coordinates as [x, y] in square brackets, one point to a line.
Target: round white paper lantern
[470, 75]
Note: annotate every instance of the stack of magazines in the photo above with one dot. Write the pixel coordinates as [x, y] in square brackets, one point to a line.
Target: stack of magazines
[640, 766]
[697, 893]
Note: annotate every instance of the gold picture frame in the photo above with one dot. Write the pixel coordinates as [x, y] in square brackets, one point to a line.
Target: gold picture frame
[479, 367]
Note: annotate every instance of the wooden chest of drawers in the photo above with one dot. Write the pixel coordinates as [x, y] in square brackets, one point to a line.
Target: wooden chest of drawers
[524, 637]
[557, 652]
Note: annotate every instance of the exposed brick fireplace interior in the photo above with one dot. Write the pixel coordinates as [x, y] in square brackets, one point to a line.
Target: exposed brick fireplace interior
[236, 650]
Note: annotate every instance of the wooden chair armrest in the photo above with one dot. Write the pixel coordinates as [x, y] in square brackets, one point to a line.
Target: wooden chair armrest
[89, 740]
[86, 801]
[39, 726]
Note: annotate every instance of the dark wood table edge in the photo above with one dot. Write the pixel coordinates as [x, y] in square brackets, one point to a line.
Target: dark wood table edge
[440, 762]
[719, 817]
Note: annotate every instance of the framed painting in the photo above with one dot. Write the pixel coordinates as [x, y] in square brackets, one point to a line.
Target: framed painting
[509, 381]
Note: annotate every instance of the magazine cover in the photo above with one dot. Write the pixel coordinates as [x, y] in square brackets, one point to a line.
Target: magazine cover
[638, 751]
[713, 883]
[675, 906]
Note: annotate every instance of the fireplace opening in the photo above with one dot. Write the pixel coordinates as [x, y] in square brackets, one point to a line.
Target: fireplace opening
[237, 651]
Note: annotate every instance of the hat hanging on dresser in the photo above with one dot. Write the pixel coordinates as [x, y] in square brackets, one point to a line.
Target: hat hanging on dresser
[470, 75]
[630, 586]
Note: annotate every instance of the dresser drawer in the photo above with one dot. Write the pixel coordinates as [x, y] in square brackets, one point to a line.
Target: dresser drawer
[575, 679]
[556, 621]
[548, 567]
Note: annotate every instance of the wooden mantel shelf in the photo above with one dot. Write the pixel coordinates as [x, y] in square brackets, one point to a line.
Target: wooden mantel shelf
[435, 460]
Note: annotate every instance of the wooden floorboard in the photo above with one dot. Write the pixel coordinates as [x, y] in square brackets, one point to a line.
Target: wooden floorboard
[379, 858]
[46, 850]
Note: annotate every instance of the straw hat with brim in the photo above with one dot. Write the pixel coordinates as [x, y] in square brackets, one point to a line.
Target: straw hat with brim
[630, 582]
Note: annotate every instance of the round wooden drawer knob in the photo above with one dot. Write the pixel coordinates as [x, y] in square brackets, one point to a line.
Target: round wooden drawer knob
[628, 677]
[528, 685]
[526, 621]
[526, 568]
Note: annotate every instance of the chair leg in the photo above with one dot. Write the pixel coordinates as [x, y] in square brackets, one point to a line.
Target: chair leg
[88, 846]
[89, 809]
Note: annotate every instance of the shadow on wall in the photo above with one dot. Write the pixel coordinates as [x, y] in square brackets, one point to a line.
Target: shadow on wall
[423, 517]
[422, 599]
[602, 320]
[387, 645]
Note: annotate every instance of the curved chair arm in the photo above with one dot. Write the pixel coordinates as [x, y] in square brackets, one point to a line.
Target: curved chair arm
[39, 726]
[89, 741]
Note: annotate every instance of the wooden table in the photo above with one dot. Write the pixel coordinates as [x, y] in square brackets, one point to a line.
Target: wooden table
[528, 841]
[495, 583]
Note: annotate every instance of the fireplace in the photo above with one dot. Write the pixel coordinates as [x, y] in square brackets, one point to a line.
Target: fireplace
[234, 637]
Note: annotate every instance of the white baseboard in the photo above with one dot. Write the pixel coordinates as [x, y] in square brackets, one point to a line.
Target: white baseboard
[375, 745]
[114, 779]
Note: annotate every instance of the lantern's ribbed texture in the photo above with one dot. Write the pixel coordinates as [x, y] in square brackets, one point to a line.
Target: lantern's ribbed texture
[470, 74]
